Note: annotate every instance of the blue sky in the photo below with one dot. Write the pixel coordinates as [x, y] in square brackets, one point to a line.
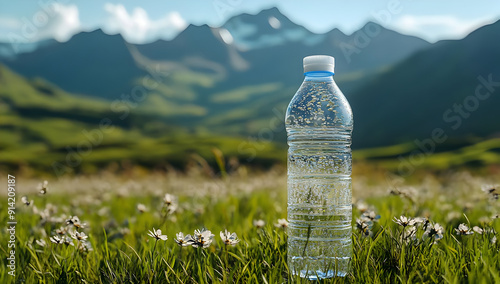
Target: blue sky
[145, 21]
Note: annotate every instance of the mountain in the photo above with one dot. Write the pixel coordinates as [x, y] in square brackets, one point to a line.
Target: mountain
[444, 86]
[12, 50]
[57, 132]
[228, 87]
[234, 80]
[91, 63]
[228, 80]
[101, 65]
[266, 29]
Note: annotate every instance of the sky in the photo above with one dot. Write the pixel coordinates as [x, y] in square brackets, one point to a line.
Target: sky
[147, 21]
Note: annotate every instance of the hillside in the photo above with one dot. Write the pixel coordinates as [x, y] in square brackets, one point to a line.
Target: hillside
[434, 88]
[204, 82]
[168, 100]
[47, 128]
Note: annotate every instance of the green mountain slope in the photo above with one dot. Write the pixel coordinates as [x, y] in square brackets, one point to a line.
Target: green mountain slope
[203, 83]
[169, 99]
[48, 129]
[435, 88]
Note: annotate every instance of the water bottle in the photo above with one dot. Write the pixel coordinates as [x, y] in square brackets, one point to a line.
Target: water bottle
[319, 126]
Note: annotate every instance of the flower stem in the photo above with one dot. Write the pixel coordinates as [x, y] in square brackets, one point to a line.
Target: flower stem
[227, 266]
[152, 254]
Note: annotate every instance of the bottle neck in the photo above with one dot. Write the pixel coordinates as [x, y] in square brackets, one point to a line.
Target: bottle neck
[319, 76]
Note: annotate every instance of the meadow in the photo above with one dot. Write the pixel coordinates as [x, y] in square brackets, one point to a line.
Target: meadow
[101, 228]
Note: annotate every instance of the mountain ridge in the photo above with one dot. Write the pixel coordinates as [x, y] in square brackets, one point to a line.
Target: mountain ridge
[446, 84]
[209, 85]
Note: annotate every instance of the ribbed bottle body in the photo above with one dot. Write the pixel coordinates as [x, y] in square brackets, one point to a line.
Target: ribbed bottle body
[319, 128]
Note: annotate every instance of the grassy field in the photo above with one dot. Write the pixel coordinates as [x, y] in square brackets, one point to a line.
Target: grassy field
[117, 212]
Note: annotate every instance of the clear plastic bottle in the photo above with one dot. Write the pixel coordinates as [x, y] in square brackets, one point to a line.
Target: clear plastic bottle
[319, 126]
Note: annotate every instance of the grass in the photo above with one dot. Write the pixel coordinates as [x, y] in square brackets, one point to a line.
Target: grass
[122, 252]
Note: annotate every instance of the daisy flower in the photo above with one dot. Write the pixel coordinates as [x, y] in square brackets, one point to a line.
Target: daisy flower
[79, 236]
[202, 238]
[182, 240]
[259, 223]
[477, 230]
[84, 246]
[142, 208]
[157, 235]
[463, 230]
[282, 223]
[56, 240]
[370, 215]
[404, 221]
[169, 199]
[230, 238]
[42, 187]
[61, 240]
[434, 231]
[364, 226]
[75, 221]
[25, 200]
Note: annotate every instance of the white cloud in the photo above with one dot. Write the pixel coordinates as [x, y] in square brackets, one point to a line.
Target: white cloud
[436, 27]
[137, 27]
[56, 21]
[62, 24]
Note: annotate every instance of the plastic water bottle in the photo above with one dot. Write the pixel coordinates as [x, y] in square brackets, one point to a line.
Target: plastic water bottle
[319, 125]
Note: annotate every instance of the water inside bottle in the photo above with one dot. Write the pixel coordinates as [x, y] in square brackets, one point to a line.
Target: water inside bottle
[319, 202]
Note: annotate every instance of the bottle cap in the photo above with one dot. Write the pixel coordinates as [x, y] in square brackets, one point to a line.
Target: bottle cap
[319, 63]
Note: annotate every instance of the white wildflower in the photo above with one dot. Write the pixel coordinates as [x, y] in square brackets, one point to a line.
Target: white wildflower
[202, 238]
[477, 230]
[491, 190]
[182, 240]
[56, 240]
[72, 220]
[364, 226]
[370, 215]
[75, 221]
[409, 233]
[362, 206]
[169, 199]
[67, 241]
[79, 236]
[282, 223]
[43, 187]
[259, 223]
[61, 240]
[170, 203]
[84, 246]
[463, 230]
[230, 239]
[25, 200]
[434, 231]
[157, 235]
[62, 231]
[142, 208]
[422, 221]
[404, 221]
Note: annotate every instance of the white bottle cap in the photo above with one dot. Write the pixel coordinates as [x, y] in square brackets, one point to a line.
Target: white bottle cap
[319, 63]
